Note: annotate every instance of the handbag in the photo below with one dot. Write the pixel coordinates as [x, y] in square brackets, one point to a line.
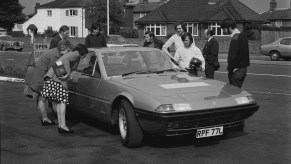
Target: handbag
[27, 91]
[216, 65]
[59, 68]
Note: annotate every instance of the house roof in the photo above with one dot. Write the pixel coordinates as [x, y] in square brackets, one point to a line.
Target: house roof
[201, 11]
[146, 7]
[64, 4]
[277, 14]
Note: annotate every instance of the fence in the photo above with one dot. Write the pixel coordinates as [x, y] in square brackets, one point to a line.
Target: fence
[270, 36]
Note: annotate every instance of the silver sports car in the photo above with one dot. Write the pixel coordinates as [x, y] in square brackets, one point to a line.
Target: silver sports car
[142, 91]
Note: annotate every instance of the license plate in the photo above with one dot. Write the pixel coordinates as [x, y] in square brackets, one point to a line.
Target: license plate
[209, 132]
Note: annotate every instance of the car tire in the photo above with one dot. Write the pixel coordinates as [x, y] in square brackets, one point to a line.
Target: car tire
[241, 126]
[3, 48]
[131, 134]
[275, 55]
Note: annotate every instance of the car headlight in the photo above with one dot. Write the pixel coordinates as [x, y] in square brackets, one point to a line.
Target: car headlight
[244, 100]
[173, 107]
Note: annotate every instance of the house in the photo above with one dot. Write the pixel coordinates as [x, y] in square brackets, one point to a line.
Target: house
[278, 17]
[198, 15]
[142, 8]
[54, 14]
[3, 31]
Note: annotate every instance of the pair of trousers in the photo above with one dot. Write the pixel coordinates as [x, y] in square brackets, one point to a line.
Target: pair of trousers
[237, 77]
[209, 71]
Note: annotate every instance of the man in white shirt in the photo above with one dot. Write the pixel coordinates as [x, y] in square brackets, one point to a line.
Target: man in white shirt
[185, 53]
[175, 40]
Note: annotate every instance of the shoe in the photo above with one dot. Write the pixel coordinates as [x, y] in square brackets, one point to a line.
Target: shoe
[46, 123]
[64, 131]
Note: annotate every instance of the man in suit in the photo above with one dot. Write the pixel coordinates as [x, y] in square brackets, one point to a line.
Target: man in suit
[63, 34]
[152, 41]
[210, 54]
[238, 58]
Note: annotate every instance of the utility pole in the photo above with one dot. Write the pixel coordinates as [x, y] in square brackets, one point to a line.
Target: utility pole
[107, 17]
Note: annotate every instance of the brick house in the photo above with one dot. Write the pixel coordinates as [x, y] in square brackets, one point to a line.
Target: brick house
[198, 15]
[279, 17]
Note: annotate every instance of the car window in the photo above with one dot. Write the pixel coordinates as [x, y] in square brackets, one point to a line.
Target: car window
[89, 65]
[118, 63]
[285, 41]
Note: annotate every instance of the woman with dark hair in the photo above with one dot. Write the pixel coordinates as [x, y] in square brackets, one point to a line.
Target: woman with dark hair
[56, 88]
[95, 39]
[185, 54]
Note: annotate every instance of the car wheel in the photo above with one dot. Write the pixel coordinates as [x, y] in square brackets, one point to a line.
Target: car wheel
[241, 126]
[3, 48]
[275, 55]
[131, 134]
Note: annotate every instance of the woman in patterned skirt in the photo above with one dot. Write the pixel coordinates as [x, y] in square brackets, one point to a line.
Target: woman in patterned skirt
[56, 88]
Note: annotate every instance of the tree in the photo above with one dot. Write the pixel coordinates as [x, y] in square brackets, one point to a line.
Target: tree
[10, 13]
[97, 12]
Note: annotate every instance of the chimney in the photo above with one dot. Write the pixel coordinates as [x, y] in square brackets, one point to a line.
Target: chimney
[273, 5]
[35, 7]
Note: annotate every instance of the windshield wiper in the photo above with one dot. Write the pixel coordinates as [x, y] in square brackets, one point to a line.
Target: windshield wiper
[168, 70]
[136, 72]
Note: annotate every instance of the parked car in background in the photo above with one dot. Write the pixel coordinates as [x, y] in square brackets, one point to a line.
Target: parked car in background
[281, 48]
[118, 41]
[142, 91]
[8, 42]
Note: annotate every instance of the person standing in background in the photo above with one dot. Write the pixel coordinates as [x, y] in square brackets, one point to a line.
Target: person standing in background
[175, 40]
[152, 41]
[63, 34]
[238, 58]
[95, 39]
[210, 54]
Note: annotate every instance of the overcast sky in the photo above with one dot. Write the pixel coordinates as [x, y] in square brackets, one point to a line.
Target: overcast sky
[258, 6]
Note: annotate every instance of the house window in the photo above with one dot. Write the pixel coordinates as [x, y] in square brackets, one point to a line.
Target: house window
[71, 12]
[192, 28]
[49, 13]
[278, 23]
[158, 29]
[73, 31]
[218, 31]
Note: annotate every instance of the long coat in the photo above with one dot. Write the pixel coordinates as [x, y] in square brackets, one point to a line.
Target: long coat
[35, 76]
[55, 41]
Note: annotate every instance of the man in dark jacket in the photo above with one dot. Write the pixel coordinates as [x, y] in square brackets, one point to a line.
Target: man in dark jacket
[63, 34]
[95, 38]
[152, 41]
[210, 54]
[238, 55]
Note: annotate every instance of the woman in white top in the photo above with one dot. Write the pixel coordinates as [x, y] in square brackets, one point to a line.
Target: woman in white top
[184, 54]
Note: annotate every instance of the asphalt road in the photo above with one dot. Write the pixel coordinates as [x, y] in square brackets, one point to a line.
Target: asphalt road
[267, 136]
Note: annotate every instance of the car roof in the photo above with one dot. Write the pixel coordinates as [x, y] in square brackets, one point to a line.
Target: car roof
[119, 49]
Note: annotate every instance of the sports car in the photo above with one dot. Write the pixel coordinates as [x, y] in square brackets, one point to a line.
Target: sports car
[7, 42]
[143, 91]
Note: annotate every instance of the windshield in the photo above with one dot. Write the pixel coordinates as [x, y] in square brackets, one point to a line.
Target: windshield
[130, 62]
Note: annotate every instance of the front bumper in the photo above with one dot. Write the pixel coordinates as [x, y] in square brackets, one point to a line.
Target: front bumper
[171, 124]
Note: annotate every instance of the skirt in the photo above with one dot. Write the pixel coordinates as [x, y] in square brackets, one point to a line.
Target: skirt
[54, 91]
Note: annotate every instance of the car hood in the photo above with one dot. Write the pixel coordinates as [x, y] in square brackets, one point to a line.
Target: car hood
[179, 88]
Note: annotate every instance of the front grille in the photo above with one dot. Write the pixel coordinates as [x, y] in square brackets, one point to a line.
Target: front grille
[198, 123]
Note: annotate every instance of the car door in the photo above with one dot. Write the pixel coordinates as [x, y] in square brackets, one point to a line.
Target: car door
[285, 47]
[84, 87]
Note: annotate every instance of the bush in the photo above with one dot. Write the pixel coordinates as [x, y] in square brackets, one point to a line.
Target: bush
[16, 33]
[13, 70]
[129, 33]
